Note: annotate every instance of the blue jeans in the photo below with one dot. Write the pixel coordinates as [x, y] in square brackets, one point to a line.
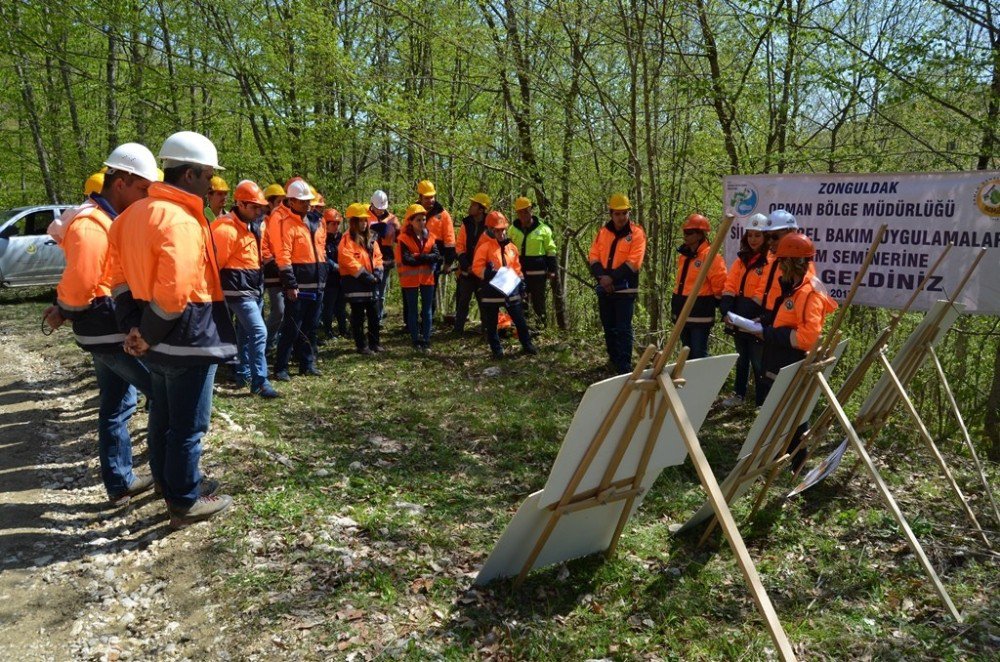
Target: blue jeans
[695, 337]
[251, 339]
[750, 361]
[179, 413]
[276, 302]
[118, 377]
[616, 318]
[419, 332]
[297, 332]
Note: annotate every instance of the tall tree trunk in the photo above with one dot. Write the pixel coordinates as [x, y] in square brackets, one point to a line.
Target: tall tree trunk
[34, 123]
[111, 98]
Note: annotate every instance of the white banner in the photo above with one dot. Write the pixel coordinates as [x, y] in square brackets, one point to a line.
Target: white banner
[924, 212]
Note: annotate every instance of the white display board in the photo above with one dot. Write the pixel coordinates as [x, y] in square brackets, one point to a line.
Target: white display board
[767, 411]
[590, 530]
[924, 212]
[705, 378]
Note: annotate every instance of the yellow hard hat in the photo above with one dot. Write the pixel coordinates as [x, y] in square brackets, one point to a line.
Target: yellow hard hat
[619, 202]
[426, 187]
[482, 199]
[413, 210]
[159, 175]
[94, 183]
[219, 184]
[357, 210]
[522, 203]
[273, 190]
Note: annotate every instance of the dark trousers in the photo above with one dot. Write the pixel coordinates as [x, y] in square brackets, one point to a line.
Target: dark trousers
[297, 332]
[360, 311]
[536, 293]
[695, 337]
[334, 306]
[490, 313]
[616, 318]
[419, 325]
[750, 362]
[466, 287]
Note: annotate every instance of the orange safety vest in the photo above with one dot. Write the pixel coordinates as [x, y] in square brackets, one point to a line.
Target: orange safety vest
[489, 251]
[439, 224]
[165, 279]
[84, 291]
[745, 282]
[387, 235]
[415, 275]
[798, 323]
[688, 268]
[356, 260]
[238, 250]
[300, 248]
[770, 288]
[619, 254]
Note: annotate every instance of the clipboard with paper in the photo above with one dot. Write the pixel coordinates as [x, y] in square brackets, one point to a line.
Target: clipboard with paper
[506, 280]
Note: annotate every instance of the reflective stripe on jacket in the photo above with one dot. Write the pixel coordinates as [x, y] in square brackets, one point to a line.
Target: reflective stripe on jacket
[489, 251]
[619, 254]
[238, 250]
[798, 316]
[415, 258]
[84, 291]
[537, 247]
[300, 248]
[360, 268]
[165, 279]
[688, 268]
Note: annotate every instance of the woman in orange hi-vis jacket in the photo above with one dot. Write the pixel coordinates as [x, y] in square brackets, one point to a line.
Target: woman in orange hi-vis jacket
[742, 297]
[416, 256]
[440, 224]
[494, 252]
[360, 261]
[693, 253]
[615, 259]
[798, 314]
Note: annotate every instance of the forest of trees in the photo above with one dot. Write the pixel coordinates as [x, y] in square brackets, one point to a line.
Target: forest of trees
[562, 100]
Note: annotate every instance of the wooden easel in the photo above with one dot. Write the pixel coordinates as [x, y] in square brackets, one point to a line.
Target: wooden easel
[659, 395]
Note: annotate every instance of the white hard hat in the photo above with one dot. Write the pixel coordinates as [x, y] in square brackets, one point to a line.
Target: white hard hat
[135, 159]
[188, 147]
[299, 190]
[380, 200]
[757, 222]
[781, 219]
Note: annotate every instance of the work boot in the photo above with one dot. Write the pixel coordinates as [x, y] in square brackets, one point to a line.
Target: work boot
[732, 401]
[267, 391]
[529, 349]
[378, 348]
[202, 509]
[283, 376]
[311, 371]
[364, 351]
[207, 487]
[497, 352]
[138, 486]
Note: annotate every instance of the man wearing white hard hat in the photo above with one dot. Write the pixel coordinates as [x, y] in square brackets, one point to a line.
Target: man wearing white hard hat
[169, 297]
[84, 298]
[386, 227]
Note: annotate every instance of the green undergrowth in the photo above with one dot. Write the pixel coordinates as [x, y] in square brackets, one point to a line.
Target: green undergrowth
[368, 498]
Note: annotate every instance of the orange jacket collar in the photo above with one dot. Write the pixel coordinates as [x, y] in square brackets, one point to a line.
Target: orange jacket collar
[191, 202]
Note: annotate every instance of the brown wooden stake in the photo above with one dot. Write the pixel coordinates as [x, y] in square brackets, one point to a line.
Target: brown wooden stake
[932, 447]
[965, 433]
[725, 517]
[890, 502]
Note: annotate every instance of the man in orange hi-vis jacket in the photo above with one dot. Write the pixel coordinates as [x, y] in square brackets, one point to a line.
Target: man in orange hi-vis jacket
[615, 259]
[168, 296]
[84, 298]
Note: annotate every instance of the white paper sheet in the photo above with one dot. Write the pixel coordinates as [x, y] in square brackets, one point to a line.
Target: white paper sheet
[741, 322]
[506, 280]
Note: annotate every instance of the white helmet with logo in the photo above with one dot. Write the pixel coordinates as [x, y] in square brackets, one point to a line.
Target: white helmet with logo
[299, 190]
[135, 159]
[757, 222]
[188, 147]
[781, 219]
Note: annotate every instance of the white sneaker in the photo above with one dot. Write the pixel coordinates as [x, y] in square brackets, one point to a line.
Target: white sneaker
[732, 401]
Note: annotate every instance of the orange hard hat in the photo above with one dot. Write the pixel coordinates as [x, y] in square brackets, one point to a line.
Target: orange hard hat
[496, 219]
[248, 191]
[331, 215]
[696, 222]
[794, 244]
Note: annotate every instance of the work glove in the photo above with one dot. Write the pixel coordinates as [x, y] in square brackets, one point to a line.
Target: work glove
[368, 278]
[489, 272]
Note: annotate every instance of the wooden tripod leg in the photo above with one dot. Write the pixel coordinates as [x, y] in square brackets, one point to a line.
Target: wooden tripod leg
[932, 447]
[965, 434]
[725, 517]
[890, 502]
[640, 473]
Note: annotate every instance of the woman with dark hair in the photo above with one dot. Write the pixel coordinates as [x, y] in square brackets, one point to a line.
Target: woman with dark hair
[360, 261]
[742, 297]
